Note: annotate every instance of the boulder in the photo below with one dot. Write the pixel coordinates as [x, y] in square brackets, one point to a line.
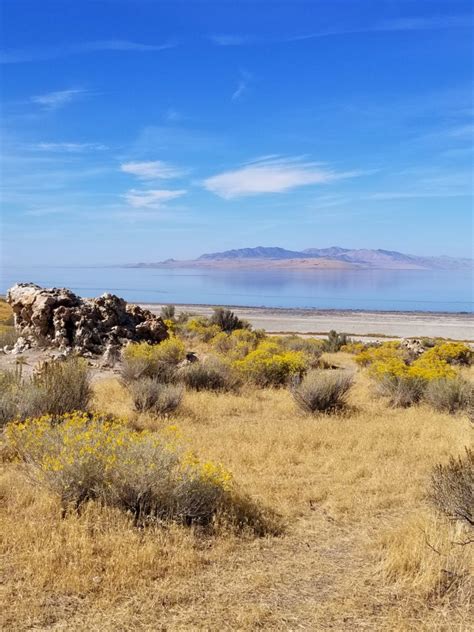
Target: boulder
[59, 318]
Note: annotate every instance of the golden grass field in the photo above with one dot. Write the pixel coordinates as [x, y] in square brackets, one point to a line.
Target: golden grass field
[361, 549]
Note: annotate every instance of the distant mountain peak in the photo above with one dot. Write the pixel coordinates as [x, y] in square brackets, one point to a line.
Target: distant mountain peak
[365, 257]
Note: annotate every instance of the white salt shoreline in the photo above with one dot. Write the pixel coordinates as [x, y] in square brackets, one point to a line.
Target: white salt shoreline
[457, 326]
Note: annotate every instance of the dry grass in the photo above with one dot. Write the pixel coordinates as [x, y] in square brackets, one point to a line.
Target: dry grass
[356, 554]
[6, 313]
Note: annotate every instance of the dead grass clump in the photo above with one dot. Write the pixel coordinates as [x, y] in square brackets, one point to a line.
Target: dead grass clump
[450, 395]
[8, 336]
[149, 395]
[323, 391]
[426, 557]
[452, 488]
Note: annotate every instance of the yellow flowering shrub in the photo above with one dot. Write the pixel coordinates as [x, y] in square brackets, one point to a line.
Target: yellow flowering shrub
[201, 329]
[156, 361]
[381, 353]
[171, 350]
[270, 365]
[85, 457]
[450, 352]
[238, 343]
[312, 348]
[355, 348]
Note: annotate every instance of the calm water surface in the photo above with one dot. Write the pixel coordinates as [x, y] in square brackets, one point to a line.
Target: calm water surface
[410, 290]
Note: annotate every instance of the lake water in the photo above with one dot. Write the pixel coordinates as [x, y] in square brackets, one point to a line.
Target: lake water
[401, 290]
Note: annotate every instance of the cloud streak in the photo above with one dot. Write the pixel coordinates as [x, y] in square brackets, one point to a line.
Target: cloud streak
[73, 148]
[271, 176]
[387, 26]
[84, 48]
[151, 170]
[58, 99]
[151, 198]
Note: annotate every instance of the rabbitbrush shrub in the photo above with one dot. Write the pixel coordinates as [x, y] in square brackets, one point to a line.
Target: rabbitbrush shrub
[155, 361]
[323, 391]
[149, 395]
[452, 488]
[82, 457]
[311, 347]
[270, 365]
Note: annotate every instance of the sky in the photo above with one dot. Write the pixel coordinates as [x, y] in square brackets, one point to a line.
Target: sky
[138, 130]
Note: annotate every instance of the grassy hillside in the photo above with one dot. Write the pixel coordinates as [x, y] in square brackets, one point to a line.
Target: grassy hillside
[359, 545]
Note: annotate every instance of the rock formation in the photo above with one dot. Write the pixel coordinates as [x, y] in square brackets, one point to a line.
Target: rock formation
[58, 318]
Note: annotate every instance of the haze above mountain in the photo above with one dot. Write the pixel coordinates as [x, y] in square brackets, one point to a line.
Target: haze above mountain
[333, 257]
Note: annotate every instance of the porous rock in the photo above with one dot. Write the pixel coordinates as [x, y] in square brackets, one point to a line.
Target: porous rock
[59, 318]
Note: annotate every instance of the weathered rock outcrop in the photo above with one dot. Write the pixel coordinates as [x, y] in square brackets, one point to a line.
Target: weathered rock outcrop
[59, 318]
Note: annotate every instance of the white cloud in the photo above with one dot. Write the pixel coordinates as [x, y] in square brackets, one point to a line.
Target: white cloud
[152, 198]
[54, 52]
[270, 176]
[70, 147]
[242, 86]
[55, 100]
[151, 170]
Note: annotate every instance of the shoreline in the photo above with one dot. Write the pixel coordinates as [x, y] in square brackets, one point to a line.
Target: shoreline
[364, 323]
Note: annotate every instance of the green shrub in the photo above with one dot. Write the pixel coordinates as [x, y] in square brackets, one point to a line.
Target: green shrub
[212, 374]
[452, 488]
[270, 365]
[82, 457]
[323, 391]
[335, 341]
[450, 395]
[227, 321]
[149, 395]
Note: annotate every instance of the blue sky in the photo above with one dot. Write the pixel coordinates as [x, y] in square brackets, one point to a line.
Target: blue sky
[137, 130]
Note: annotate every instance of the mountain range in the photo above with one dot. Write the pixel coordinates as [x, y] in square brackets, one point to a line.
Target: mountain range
[312, 258]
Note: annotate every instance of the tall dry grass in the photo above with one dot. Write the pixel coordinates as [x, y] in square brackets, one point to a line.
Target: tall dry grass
[356, 552]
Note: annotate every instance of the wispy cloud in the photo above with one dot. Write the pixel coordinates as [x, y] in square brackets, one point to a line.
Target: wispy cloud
[271, 176]
[54, 52]
[55, 100]
[152, 198]
[151, 170]
[69, 147]
[386, 26]
[242, 86]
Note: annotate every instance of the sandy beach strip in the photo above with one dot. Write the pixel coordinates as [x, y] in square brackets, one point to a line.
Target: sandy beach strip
[457, 326]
